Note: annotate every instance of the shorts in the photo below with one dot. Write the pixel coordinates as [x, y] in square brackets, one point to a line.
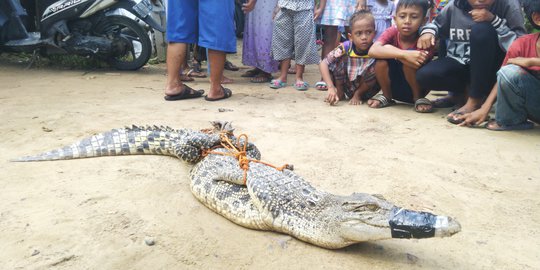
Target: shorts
[209, 23]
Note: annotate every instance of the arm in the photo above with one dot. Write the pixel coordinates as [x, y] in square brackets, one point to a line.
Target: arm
[332, 98]
[508, 27]
[414, 59]
[319, 10]
[525, 62]
[439, 27]
[248, 6]
[361, 5]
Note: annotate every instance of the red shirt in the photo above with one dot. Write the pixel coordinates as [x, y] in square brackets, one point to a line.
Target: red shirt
[524, 46]
[391, 36]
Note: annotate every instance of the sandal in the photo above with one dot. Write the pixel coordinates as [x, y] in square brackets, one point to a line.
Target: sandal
[251, 73]
[301, 86]
[423, 101]
[187, 93]
[230, 66]
[261, 78]
[321, 86]
[452, 117]
[276, 84]
[383, 101]
[227, 93]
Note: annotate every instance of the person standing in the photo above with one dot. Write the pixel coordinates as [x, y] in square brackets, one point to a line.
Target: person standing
[209, 23]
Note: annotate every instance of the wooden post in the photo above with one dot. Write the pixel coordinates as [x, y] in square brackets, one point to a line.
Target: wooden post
[159, 14]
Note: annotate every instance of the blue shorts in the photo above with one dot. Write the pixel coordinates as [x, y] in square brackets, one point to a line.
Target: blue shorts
[401, 90]
[209, 23]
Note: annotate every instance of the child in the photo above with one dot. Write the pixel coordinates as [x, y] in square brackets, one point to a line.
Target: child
[477, 32]
[336, 14]
[398, 58]
[347, 70]
[518, 85]
[382, 11]
[294, 35]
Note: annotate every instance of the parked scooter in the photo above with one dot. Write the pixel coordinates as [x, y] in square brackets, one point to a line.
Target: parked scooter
[81, 27]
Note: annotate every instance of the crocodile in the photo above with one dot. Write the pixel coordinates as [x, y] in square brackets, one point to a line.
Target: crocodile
[261, 196]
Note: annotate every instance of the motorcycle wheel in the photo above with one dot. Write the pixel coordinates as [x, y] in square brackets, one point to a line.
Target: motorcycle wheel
[131, 43]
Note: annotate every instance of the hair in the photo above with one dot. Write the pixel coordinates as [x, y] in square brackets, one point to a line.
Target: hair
[530, 7]
[425, 5]
[359, 15]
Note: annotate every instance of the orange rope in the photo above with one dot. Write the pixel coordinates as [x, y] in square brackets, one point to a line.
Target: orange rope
[239, 152]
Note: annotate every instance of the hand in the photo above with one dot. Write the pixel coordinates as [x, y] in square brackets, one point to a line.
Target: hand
[332, 98]
[361, 5]
[414, 59]
[473, 118]
[520, 61]
[426, 41]
[481, 15]
[248, 6]
[318, 13]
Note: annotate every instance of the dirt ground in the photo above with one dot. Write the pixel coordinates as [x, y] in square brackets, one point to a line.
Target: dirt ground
[97, 213]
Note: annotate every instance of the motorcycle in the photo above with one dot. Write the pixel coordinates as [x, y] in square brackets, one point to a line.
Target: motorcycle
[82, 27]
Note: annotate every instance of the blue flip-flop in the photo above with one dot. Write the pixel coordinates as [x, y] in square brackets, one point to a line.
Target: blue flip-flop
[301, 86]
[276, 84]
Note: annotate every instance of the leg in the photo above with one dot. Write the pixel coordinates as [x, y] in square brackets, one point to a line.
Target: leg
[518, 97]
[282, 46]
[486, 58]
[217, 63]
[175, 57]
[417, 92]
[330, 41]
[382, 71]
[182, 29]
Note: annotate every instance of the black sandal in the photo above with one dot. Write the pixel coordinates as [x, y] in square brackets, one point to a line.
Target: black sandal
[187, 93]
[383, 101]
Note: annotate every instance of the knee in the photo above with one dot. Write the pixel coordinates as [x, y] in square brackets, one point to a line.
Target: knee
[510, 75]
[482, 31]
[424, 75]
[381, 64]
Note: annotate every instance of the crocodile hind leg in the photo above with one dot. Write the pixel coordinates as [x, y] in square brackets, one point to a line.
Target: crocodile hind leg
[210, 185]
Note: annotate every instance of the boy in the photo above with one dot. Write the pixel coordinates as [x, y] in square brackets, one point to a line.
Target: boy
[347, 70]
[398, 59]
[518, 83]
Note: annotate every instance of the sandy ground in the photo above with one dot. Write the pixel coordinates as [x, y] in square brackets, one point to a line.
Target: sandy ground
[96, 213]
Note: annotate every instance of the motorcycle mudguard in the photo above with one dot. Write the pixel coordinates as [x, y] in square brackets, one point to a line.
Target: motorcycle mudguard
[129, 6]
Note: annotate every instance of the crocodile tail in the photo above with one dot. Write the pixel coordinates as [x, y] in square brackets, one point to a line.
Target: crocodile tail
[150, 140]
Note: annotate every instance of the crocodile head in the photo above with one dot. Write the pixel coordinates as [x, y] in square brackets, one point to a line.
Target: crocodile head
[371, 217]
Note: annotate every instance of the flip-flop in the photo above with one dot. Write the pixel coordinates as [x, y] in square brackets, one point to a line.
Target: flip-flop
[452, 117]
[261, 78]
[196, 74]
[443, 102]
[321, 86]
[522, 126]
[276, 84]
[227, 93]
[250, 73]
[187, 93]
[383, 101]
[230, 66]
[301, 86]
[423, 101]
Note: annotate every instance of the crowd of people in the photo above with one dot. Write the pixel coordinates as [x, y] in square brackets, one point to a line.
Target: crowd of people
[478, 51]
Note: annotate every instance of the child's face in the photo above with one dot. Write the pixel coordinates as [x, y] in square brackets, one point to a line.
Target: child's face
[480, 4]
[362, 33]
[409, 19]
[535, 16]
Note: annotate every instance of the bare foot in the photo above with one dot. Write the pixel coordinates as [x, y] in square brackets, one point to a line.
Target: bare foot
[355, 101]
[372, 103]
[226, 80]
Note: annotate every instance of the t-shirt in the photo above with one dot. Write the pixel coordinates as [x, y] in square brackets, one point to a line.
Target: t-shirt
[525, 46]
[391, 37]
[358, 63]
